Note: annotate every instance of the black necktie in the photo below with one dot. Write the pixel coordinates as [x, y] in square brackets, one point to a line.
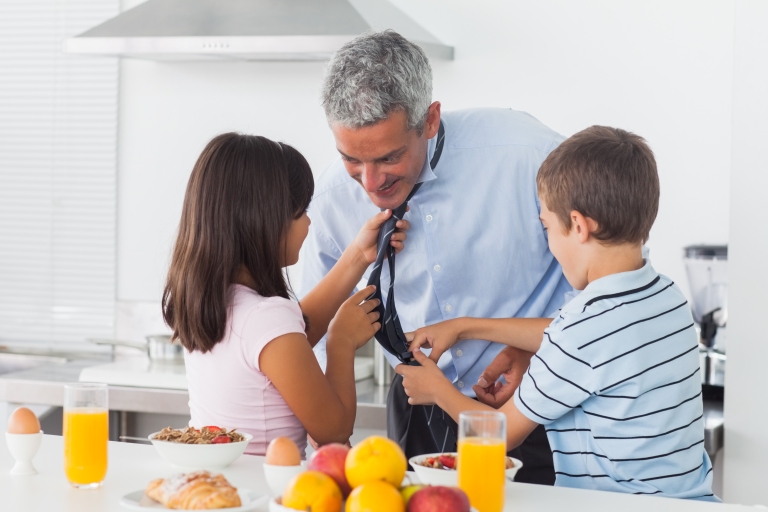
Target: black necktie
[391, 336]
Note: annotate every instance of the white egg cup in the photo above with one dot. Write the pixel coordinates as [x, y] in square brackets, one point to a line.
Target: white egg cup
[278, 477]
[23, 448]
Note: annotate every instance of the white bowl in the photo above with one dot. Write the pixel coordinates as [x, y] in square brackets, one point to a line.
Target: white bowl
[278, 477]
[275, 505]
[449, 477]
[200, 456]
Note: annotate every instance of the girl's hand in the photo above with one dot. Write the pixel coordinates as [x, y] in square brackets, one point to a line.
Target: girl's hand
[423, 384]
[439, 337]
[366, 239]
[356, 321]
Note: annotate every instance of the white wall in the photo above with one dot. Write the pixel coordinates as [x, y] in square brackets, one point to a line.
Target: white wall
[746, 442]
[662, 69]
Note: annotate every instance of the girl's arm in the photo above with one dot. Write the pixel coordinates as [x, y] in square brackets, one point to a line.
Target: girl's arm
[426, 384]
[325, 404]
[320, 304]
[522, 333]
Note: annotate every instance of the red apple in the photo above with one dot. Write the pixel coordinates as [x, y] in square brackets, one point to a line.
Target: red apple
[329, 459]
[437, 498]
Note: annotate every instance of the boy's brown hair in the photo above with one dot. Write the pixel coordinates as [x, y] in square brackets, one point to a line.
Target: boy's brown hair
[608, 175]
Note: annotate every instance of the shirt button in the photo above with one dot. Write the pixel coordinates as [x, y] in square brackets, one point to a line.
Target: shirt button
[459, 353]
[437, 268]
[449, 308]
[460, 384]
[429, 218]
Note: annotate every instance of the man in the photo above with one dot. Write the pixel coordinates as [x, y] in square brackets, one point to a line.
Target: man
[475, 247]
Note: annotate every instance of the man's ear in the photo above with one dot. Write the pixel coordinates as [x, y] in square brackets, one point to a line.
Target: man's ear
[432, 124]
[582, 226]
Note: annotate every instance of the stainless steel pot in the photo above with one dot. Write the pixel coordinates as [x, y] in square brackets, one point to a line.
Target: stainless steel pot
[158, 347]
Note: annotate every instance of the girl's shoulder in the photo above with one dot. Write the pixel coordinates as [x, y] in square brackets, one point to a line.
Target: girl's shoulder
[243, 297]
[255, 315]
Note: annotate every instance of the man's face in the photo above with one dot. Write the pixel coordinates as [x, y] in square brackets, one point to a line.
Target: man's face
[386, 158]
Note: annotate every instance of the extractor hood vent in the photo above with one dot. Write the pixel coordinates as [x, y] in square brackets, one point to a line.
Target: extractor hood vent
[247, 30]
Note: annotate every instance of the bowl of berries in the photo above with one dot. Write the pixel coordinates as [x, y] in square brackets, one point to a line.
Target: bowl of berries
[440, 468]
[209, 447]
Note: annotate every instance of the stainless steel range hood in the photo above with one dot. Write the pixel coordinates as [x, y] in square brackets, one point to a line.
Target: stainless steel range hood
[247, 30]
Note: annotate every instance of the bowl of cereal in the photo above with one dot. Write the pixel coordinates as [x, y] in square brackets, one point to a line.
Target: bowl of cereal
[440, 468]
[206, 448]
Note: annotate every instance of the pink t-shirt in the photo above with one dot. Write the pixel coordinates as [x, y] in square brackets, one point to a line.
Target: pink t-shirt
[226, 386]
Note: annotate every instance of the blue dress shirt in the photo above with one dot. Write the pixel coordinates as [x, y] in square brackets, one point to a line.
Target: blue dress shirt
[476, 246]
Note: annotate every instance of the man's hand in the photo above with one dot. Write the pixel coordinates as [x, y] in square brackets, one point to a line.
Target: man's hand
[511, 363]
[439, 337]
[422, 383]
[368, 236]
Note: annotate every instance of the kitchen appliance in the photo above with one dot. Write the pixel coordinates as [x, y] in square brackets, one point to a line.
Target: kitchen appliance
[706, 267]
[247, 30]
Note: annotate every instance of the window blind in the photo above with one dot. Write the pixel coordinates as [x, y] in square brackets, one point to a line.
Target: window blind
[58, 149]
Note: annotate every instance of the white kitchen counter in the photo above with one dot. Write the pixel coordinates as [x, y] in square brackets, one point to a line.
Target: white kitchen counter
[131, 466]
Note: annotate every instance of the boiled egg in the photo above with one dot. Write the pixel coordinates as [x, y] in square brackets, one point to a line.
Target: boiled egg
[23, 421]
[282, 451]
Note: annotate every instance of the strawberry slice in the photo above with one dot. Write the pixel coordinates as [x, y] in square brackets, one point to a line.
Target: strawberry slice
[221, 440]
[448, 461]
[213, 429]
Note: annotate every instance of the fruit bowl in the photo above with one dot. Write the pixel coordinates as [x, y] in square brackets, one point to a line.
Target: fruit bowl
[275, 505]
[448, 477]
[200, 456]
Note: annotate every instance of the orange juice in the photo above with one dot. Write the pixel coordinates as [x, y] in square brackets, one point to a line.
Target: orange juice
[86, 432]
[481, 466]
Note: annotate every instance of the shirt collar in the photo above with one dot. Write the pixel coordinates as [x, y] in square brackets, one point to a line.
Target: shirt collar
[426, 171]
[622, 280]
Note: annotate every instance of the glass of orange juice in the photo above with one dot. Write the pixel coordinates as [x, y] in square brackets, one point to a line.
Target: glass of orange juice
[86, 431]
[482, 458]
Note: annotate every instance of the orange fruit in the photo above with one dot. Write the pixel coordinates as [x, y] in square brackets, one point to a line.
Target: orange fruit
[375, 458]
[375, 497]
[313, 491]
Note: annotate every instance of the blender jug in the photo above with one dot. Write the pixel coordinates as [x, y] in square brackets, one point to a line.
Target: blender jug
[706, 267]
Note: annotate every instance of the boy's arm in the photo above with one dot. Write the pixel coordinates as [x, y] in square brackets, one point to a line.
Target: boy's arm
[522, 333]
[426, 385]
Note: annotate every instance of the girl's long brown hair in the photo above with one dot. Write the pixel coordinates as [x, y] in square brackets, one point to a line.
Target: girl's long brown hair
[241, 198]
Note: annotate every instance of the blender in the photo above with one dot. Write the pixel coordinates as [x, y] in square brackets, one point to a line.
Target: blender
[706, 268]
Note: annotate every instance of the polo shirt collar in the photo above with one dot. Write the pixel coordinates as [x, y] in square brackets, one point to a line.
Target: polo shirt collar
[623, 281]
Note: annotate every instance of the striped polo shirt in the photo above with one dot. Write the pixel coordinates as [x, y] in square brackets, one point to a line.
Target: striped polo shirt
[617, 383]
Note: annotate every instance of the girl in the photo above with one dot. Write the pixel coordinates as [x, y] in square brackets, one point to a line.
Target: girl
[248, 356]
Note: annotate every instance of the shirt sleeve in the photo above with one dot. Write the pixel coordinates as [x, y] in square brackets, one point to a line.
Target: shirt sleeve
[317, 257]
[273, 318]
[556, 382]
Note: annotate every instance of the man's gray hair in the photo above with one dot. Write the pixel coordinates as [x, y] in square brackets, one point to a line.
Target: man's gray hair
[374, 75]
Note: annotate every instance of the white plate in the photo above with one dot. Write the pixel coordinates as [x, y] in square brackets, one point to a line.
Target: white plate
[137, 500]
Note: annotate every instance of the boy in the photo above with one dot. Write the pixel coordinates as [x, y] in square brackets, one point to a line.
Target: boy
[615, 378]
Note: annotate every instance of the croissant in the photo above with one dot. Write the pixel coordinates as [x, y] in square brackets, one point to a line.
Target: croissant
[194, 491]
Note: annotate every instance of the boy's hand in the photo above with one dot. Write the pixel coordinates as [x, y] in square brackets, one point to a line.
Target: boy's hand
[511, 363]
[366, 239]
[439, 337]
[422, 383]
[356, 321]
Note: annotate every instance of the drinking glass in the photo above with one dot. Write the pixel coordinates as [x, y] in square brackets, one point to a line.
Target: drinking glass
[482, 458]
[86, 431]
